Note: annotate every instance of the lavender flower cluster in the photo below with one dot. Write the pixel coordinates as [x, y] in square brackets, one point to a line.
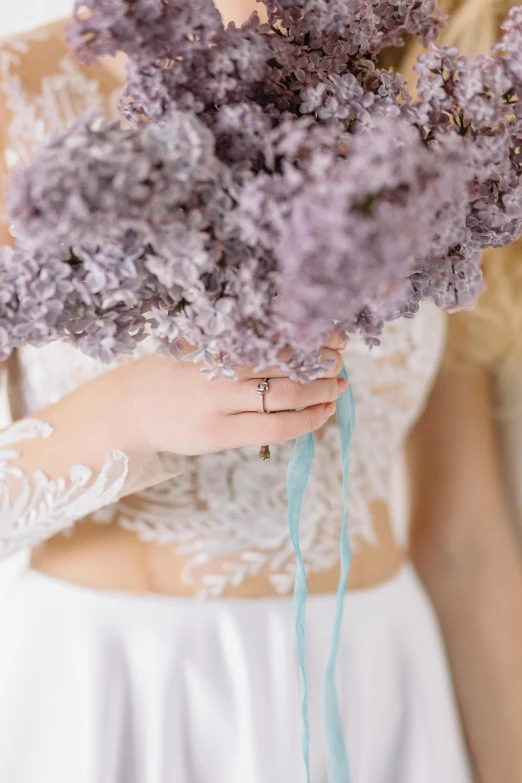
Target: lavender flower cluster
[273, 181]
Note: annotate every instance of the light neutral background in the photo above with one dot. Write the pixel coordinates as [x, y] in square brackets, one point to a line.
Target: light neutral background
[18, 15]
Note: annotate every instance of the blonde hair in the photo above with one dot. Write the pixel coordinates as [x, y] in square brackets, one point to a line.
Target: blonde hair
[491, 333]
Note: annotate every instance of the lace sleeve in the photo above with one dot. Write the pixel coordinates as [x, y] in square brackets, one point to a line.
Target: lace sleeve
[79, 455]
[33, 507]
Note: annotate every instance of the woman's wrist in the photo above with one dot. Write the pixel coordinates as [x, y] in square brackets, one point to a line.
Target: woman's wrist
[147, 465]
[103, 417]
[121, 395]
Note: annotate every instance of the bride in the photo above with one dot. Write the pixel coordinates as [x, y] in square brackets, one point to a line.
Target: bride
[151, 640]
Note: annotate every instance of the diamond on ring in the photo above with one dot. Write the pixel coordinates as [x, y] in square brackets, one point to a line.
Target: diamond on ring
[262, 389]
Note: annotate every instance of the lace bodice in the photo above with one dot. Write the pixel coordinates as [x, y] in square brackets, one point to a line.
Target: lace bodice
[226, 514]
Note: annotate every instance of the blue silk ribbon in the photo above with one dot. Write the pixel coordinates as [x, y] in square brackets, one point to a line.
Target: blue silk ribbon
[298, 475]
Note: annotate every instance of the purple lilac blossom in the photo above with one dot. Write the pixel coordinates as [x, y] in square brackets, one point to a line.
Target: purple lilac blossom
[276, 181]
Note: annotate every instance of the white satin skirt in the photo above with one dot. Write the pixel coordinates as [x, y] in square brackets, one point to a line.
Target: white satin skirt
[99, 687]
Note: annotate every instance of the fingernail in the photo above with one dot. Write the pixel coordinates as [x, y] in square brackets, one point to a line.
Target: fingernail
[343, 384]
[330, 409]
[343, 344]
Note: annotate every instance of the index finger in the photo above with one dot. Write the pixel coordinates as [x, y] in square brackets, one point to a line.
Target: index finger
[332, 359]
[336, 342]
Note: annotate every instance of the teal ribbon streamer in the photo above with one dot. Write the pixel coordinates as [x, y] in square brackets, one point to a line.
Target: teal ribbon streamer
[336, 756]
[298, 475]
[297, 478]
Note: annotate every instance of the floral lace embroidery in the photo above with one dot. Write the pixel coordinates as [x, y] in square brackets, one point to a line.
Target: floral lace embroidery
[32, 509]
[65, 94]
[227, 515]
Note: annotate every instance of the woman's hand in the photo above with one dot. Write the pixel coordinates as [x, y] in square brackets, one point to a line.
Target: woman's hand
[180, 411]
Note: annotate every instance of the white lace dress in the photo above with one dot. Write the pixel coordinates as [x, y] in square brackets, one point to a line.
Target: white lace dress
[111, 688]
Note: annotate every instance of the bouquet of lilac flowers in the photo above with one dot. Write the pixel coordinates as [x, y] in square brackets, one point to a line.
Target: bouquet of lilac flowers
[272, 182]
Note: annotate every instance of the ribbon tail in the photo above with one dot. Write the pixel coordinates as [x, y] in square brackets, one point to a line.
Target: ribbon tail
[298, 475]
[337, 757]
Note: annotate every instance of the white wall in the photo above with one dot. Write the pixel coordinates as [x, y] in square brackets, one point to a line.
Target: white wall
[18, 15]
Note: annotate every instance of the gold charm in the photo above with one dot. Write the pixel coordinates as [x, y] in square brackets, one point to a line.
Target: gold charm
[264, 452]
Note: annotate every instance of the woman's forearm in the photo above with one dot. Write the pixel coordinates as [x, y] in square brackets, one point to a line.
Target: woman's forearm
[464, 546]
[477, 593]
[73, 458]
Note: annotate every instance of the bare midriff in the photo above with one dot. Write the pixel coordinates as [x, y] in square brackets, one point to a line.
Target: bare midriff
[111, 558]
